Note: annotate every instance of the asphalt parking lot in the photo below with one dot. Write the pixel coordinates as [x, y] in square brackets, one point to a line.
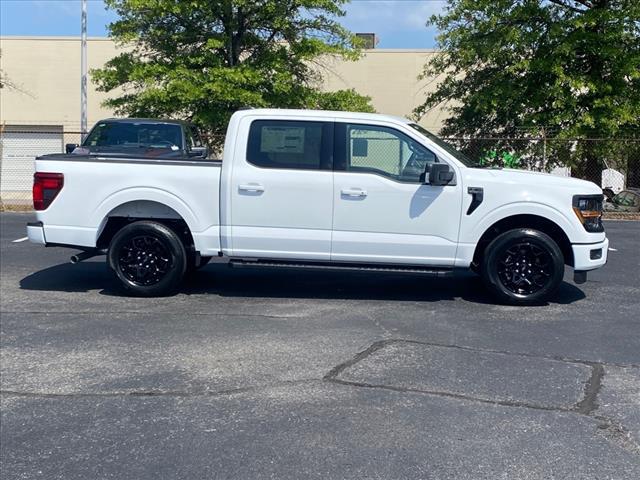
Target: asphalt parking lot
[287, 374]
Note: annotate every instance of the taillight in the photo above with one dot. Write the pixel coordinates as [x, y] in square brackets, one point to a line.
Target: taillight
[46, 187]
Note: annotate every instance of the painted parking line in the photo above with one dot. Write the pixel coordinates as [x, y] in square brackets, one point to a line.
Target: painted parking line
[613, 249]
[18, 240]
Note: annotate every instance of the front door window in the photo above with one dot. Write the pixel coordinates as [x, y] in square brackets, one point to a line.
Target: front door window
[386, 152]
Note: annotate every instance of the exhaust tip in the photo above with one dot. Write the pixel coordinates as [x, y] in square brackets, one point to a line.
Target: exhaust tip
[82, 256]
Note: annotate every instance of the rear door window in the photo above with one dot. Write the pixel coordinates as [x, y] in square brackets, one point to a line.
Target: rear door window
[285, 144]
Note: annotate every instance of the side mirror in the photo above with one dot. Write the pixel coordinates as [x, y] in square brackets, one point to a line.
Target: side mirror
[440, 174]
[70, 147]
[199, 152]
[360, 147]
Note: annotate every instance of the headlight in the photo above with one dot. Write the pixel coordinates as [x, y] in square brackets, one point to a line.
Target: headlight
[588, 208]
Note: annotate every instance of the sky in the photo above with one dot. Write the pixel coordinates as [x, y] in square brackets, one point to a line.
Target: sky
[398, 23]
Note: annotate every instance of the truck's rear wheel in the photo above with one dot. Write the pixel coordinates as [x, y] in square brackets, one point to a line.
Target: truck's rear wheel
[147, 258]
[523, 266]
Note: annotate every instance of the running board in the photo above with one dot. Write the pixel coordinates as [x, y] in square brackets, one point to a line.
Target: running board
[357, 267]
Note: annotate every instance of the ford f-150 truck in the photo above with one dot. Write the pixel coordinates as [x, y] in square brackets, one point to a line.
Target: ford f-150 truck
[319, 189]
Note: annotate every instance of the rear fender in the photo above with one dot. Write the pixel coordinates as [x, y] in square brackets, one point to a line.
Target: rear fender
[146, 202]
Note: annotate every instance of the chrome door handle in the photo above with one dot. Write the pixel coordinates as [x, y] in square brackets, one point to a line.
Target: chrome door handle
[353, 192]
[251, 187]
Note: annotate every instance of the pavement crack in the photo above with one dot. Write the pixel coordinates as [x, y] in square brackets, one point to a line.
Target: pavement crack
[592, 387]
[612, 430]
[335, 372]
[338, 369]
[593, 382]
[558, 358]
[458, 396]
[157, 393]
[134, 312]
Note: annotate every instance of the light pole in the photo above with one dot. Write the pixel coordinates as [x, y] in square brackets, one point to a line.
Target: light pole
[83, 71]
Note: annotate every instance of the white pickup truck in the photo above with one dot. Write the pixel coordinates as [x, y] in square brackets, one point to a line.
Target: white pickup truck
[319, 189]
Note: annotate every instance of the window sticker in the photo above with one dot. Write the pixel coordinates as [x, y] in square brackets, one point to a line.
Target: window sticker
[282, 140]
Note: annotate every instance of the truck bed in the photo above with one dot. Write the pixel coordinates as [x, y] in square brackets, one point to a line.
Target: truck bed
[99, 187]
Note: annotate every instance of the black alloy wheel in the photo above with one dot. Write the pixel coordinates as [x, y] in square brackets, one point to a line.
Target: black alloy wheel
[523, 266]
[144, 260]
[147, 258]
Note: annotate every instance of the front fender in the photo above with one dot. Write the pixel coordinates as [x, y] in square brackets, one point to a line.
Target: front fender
[476, 229]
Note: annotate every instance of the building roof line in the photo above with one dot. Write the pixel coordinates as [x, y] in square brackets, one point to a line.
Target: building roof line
[71, 38]
[52, 37]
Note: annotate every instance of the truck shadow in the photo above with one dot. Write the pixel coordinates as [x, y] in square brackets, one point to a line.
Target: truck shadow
[283, 283]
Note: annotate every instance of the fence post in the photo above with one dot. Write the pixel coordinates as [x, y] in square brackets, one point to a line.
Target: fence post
[2, 127]
[544, 149]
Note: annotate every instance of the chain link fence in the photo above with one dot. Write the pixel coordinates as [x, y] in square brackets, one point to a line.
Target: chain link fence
[612, 164]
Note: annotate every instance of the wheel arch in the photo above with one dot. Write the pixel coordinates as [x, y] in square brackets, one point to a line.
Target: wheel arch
[146, 200]
[135, 210]
[537, 222]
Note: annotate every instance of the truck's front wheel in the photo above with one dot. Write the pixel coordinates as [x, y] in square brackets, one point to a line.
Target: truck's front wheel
[523, 266]
[147, 258]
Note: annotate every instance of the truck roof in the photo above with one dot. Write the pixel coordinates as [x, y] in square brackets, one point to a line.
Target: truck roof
[323, 113]
[277, 112]
[143, 120]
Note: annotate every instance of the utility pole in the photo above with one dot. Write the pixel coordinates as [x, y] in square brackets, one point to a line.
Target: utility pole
[83, 71]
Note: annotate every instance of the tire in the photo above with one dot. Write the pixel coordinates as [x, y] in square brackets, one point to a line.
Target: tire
[148, 259]
[522, 267]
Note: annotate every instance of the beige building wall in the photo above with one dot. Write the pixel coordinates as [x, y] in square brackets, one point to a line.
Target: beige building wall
[390, 78]
[47, 69]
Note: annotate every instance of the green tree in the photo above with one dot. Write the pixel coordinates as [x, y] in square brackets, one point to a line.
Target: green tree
[203, 59]
[571, 67]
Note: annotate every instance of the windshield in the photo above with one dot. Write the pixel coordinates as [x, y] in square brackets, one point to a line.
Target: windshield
[461, 157]
[135, 135]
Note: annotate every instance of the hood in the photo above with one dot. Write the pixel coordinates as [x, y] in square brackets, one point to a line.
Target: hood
[540, 179]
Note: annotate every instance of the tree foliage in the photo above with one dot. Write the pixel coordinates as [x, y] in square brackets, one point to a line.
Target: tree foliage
[203, 59]
[571, 67]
